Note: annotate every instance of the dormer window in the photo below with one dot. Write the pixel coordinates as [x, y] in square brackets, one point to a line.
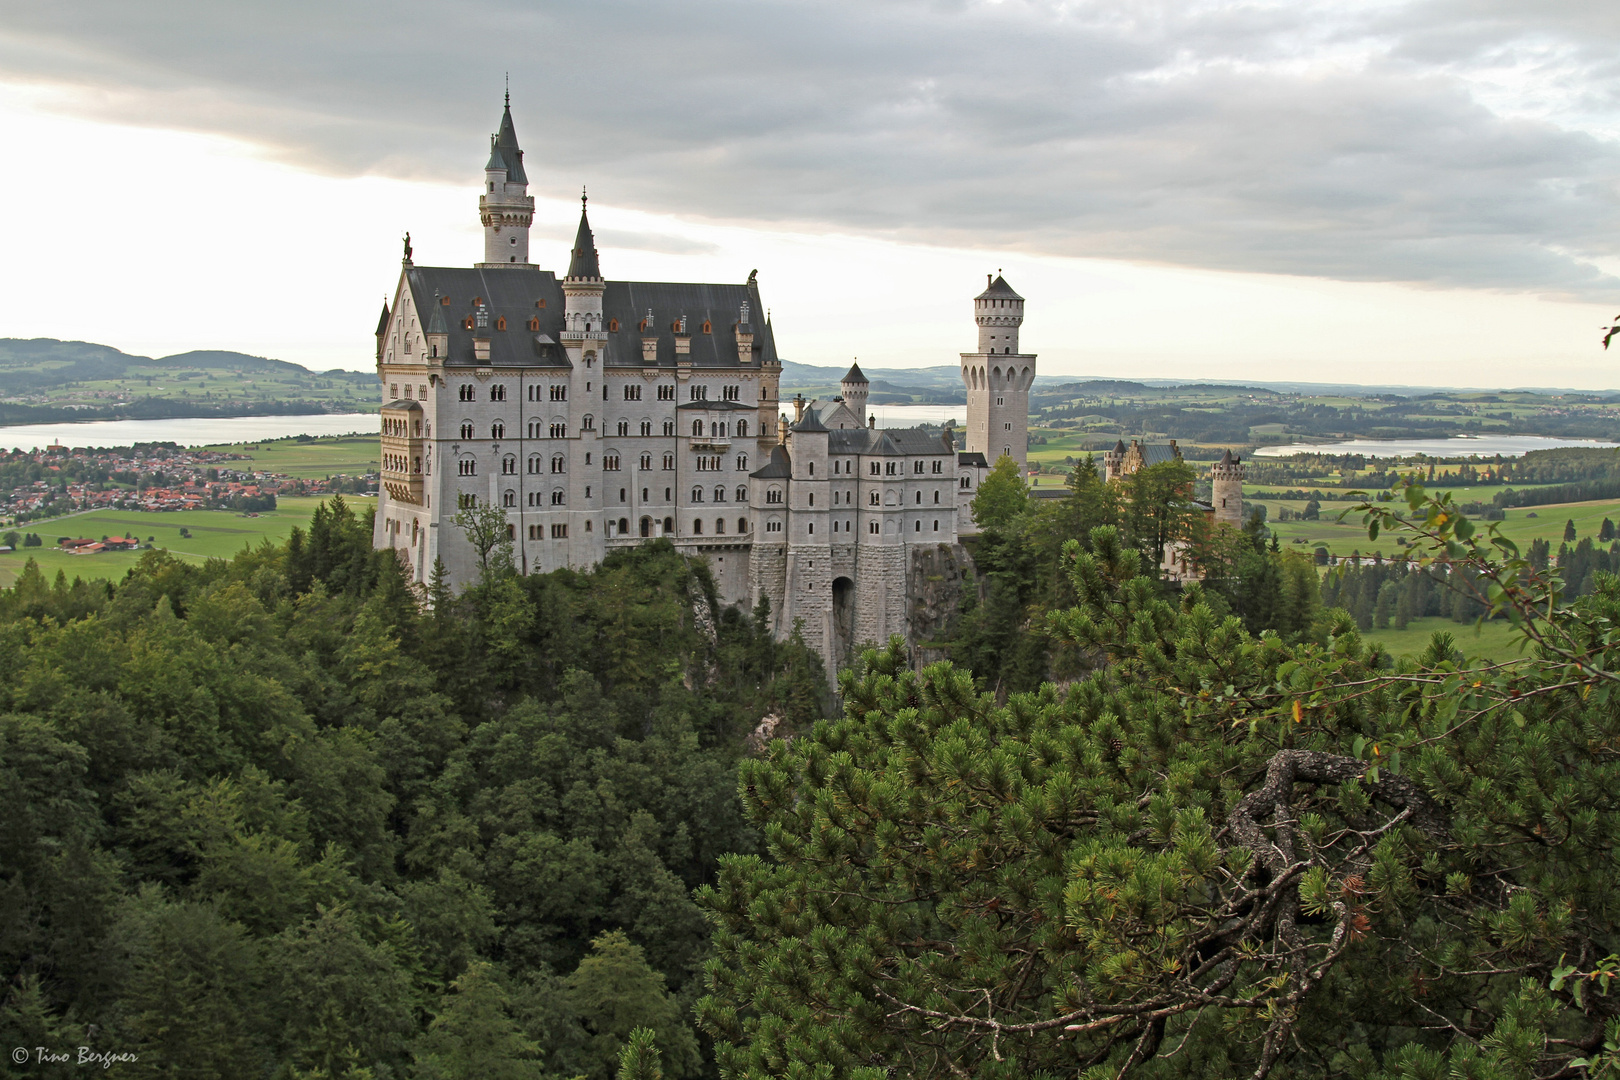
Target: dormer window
[500, 322]
[613, 326]
[707, 327]
[534, 323]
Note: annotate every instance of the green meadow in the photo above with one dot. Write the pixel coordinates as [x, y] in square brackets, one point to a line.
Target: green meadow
[1495, 640]
[214, 534]
[1348, 536]
[309, 459]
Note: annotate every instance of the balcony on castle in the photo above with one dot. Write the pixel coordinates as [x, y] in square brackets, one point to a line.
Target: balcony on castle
[710, 442]
[402, 451]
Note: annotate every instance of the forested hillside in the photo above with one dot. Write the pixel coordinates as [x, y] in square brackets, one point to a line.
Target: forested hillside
[267, 817]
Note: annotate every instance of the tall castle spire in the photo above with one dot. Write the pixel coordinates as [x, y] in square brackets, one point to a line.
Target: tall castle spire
[583, 264]
[505, 207]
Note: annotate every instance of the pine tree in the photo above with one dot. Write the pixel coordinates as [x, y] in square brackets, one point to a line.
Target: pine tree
[639, 1060]
[1569, 531]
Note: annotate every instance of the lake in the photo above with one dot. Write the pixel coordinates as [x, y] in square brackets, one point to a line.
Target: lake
[211, 431]
[192, 431]
[1461, 446]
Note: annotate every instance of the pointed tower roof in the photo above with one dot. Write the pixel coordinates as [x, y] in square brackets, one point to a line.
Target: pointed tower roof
[1226, 456]
[503, 149]
[853, 375]
[436, 320]
[1119, 446]
[998, 290]
[382, 320]
[583, 263]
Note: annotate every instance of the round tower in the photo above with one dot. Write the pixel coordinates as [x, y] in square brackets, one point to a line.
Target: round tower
[1226, 494]
[999, 312]
[505, 207]
[855, 386]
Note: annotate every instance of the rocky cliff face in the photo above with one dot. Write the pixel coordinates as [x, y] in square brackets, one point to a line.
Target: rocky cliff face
[935, 580]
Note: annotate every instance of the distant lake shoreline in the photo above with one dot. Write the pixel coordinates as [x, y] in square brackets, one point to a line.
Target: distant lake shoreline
[187, 431]
[1456, 446]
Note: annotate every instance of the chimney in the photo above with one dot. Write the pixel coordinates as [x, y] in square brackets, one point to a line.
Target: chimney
[798, 407]
[871, 422]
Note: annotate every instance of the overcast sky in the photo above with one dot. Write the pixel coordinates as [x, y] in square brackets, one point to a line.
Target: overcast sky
[1420, 193]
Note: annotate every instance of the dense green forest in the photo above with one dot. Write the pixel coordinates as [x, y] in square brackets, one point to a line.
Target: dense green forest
[278, 817]
[267, 817]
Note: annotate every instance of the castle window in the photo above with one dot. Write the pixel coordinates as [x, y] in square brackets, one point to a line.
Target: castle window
[540, 303]
[872, 528]
[719, 493]
[610, 462]
[812, 498]
[697, 494]
[697, 429]
[509, 465]
[560, 532]
[774, 495]
[742, 493]
[559, 393]
[624, 427]
[646, 427]
[534, 500]
[646, 464]
[742, 429]
[918, 499]
[742, 462]
[730, 393]
[509, 498]
[669, 462]
[874, 469]
[559, 431]
[497, 430]
[697, 526]
[916, 526]
[467, 323]
[557, 497]
[916, 466]
[467, 467]
[632, 393]
[669, 427]
[810, 528]
[889, 467]
[534, 322]
[613, 325]
[812, 468]
[699, 393]
[534, 532]
[466, 429]
[465, 501]
[1007, 427]
[622, 499]
[936, 498]
[939, 467]
[874, 499]
[742, 525]
[421, 392]
[719, 526]
[557, 464]
[589, 423]
[393, 390]
[467, 393]
[500, 322]
[1006, 451]
[936, 524]
[666, 393]
[967, 482]
[444, 301]
[773, 526]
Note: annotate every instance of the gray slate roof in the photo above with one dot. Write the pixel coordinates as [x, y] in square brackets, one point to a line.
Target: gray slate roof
[1157, 453]
[583, 262]
[780, 467]
[886, 442]
[999, 290]
[853, 375]
[514, 293]
[504, 152]
[974, 458]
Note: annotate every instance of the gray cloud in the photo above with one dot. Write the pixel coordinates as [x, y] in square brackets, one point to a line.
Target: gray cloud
[1452, 142]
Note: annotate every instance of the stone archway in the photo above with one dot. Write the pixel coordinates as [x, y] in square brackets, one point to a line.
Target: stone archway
[843, 621]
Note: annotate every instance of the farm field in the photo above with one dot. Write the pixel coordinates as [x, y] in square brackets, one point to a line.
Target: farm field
[1494, 640]
[214, 534]
[1344, 538]
[310, 459]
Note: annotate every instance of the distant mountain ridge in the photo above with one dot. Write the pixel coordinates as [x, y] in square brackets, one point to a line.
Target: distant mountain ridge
[28, 364]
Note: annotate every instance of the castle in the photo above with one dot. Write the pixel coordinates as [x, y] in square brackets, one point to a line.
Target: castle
[1226, 494]
[600, 413]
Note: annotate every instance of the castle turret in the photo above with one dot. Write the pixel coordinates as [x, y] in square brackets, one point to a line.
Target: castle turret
[998, 377]
[1114, 461]
[505, 206]
[582, 290]
[855, 386]
[1226, 495]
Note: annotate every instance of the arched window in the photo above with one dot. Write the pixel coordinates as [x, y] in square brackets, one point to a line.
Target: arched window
[497, 430]
[467, 393]
[646, 427]
[466, 467]
[742, 462]
[669, 461]
[509, 498]
[557, 464]
[872, 527]
[610, 462]
[669, 525]
[742, 493]
[466, 429]
[498, 391]
[624, 427]
[646, 462]
[697, 526]
[508, 465]
[697, 429]
[742, 429]
[719, 526]
[936, 524]
[742, 525]
[873, 499]
[589, 423]
[534, 463]
[719, 493]
[697, 494]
